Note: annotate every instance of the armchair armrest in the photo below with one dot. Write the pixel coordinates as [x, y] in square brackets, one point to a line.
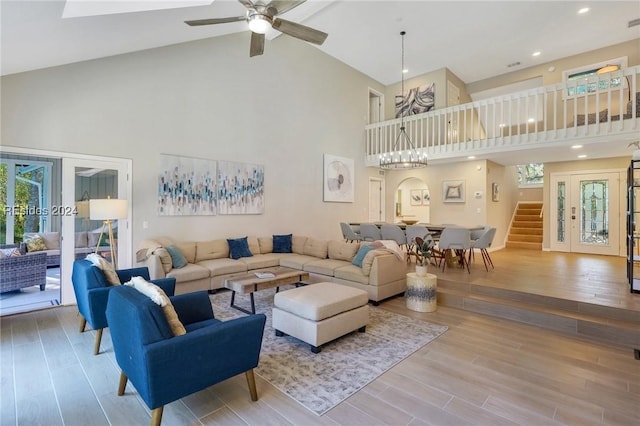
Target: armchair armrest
[126, 274]
[193, 307]
[98, 298]
[155, 266]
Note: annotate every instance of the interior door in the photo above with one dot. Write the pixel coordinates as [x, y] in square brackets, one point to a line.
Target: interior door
[376, 200]
[586, 213]
[84, 180]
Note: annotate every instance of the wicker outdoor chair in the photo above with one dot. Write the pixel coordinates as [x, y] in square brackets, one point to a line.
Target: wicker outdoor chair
[23, 271]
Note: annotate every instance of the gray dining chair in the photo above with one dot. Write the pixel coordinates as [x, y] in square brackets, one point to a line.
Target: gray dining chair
[483, 243]
[390, 231]
[458, 241]
[348, 233]
[370, 232]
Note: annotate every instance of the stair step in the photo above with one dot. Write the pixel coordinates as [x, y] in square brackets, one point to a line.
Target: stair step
[523, 224]
[528, 212]
[526, 231]
[523, 245]
[527, 218]
[545, 312]
[526, 238]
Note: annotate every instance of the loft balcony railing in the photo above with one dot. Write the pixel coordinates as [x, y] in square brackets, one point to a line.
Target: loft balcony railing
[603, 106]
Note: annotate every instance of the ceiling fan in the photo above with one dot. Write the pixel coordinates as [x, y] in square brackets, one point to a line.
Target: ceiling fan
[262, 16]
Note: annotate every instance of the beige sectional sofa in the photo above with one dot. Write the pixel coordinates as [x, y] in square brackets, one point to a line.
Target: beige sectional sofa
[382, 274]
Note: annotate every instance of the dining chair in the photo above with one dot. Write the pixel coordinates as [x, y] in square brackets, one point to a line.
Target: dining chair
[370, 232]
[483, 243]
[412, 232]
[390, 231]
[348, 233]
[455, 240]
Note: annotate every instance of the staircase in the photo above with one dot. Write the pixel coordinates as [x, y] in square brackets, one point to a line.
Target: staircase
[526, 229]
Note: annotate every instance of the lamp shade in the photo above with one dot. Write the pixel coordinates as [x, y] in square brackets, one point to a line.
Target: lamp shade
[107, 209]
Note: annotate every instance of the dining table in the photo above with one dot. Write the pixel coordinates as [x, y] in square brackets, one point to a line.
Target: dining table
[431, 226]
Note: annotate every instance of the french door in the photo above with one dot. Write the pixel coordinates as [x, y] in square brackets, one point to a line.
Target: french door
[585, 211]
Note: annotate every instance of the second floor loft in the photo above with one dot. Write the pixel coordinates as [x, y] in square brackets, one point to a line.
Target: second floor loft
[601, 112]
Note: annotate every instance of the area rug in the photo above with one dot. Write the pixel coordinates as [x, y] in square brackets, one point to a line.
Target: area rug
[321, 381]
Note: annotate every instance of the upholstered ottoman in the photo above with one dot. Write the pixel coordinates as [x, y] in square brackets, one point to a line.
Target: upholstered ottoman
[319, 313]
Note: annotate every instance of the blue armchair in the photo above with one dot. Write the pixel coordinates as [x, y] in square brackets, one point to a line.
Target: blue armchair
[92, 292]
[164, 368]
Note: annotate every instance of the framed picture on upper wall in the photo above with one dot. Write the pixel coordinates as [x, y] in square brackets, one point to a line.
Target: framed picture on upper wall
[453, 191]
[495, 192]
[426, 197]
[186, 186]
[338, 179]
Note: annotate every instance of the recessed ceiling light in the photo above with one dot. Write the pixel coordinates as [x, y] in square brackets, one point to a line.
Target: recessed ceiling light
[583, 10]
[404, 71]
[471, 157]
[536, 53]
[582, 156]
[576, 146]
[531, 120]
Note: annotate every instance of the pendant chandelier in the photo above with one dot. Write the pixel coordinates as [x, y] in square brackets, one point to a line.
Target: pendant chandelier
[409, 158]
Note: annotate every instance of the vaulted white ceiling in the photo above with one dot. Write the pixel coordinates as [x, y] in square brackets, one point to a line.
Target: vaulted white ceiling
[474, 39]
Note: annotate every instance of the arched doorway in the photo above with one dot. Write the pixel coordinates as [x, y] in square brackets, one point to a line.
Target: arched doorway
[412, 200]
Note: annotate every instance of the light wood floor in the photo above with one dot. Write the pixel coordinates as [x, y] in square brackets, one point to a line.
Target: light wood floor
[483, 371]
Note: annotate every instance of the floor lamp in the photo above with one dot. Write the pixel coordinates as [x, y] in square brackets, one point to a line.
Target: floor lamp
[108, 210]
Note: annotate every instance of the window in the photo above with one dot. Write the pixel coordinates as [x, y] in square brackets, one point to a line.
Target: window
[585, 80]
[530, 175]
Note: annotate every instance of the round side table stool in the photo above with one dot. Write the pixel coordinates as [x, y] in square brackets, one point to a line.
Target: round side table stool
[421, 292]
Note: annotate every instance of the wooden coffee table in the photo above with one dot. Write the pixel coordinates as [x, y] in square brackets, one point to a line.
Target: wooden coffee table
[249, 283]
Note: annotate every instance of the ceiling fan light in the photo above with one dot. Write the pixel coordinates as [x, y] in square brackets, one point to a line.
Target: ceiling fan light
[259, 24]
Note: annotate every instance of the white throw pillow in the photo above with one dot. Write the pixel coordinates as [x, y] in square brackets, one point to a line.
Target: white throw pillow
[106, 267]
[159, 297]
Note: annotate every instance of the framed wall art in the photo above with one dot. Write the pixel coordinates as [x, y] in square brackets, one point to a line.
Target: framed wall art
[186, 186]
[240, 188]
[415, 196]
[453, 191]
[426, 197]
[338, 179]
[495, 192]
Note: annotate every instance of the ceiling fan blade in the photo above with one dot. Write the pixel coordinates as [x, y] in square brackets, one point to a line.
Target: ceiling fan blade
[282, 6]
[257, 44]
[299, 31]
[248, 4]
[199, 22]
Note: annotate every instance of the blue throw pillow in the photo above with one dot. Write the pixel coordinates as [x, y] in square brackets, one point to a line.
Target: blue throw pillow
[359, 257]
[282, 243]
[239, 247]
[177, 258]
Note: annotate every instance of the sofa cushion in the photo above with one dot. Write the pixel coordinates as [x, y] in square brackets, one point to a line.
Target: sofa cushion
[362, 252]
[188, 249]
[35, 243]
[297, 244]
[266, 244]
[342, 250]
[177, 258]
[324, 266]
[239, 247]
[282, 243]
[81, 240]
[94, 237]
[191, 272]
[317, 248]
[295, 261]
[165, 258]
[254, 246]
[213, 249]
[218, 267]
[351, 273]
[258, 261]
[51, 239]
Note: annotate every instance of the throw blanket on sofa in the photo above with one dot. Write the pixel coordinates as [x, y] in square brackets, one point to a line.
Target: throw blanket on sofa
[392, 247]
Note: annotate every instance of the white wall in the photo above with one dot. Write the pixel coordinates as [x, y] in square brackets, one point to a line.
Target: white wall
[206, 99]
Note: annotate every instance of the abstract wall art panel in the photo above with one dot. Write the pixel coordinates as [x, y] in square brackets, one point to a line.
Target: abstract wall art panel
[186, 186]
[240, 188]
[416, 101]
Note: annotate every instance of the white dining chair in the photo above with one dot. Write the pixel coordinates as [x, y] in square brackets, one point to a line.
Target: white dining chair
[390, 231]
